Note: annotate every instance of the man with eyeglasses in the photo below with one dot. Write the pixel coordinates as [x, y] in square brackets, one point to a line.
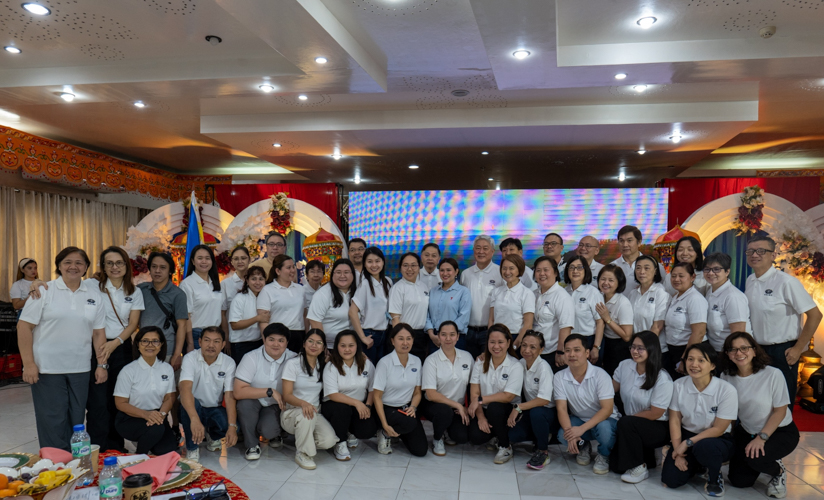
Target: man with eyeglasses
[588, 248]
[355, 249]
[778, 303]
[275, 245]
[554, 249]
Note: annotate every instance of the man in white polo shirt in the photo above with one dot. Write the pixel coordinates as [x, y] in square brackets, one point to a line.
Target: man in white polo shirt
[589, 248]
[481, 279]
[778, 303]
[207, 379]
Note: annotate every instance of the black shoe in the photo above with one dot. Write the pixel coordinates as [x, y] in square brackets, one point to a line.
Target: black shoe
[715, 489]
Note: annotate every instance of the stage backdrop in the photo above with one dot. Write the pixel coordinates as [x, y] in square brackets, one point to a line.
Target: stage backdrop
[236, 197]
[402, 221]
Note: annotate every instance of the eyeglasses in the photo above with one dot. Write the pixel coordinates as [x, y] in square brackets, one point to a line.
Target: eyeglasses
[343, 273]
[743, 349]
[147, 342]
[588, 247]
[551, 244]
[275, 245]
[637, 348]
[410, 266]
[575, 268]
[760, 251]
[119, 263]
[713, 270]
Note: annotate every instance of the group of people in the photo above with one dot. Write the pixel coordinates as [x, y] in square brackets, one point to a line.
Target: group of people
[494, 354]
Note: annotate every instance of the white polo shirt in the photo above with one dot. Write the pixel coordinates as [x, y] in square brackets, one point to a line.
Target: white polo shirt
[636, 399]
[584, 300]
[306, 387]
[510, 305]
[372, 308]
[20, 289]
[333, 319]
[145, 386]
[528, 278]
[448, 378]
[507, 377]
[584, 398]
[725, 305]
[684, 311]
[230, 287]
[397, 382]
[620, 310]
[481, 282]
[595, 267]
[700, 284]
[758, 394]
[285, 304]
[123, 304]
[649, 307]
[431, 280]
[352, 384]
[203, 303]
[700, 409]
[209, 382]
[777, 302]
[411, 301]
[629, 273]
[244, 306]
[553, 310]
[538, 381]
[260, 371]
[63, 326]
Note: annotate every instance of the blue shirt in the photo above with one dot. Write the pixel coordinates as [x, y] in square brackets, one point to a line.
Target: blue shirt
[454, 304]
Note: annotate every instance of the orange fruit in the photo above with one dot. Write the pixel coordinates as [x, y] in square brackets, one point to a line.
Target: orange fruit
[15, 485]
[4, 482]
[7, 493]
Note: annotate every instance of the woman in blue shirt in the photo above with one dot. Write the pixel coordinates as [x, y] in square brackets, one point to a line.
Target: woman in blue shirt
[448, 302]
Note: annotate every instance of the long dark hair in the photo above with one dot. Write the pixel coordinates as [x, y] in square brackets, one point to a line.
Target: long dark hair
[382, 275]
[20, 274]
[213, 274]
[337, 297]
[696, 246]
[760, 360]
[360, 357]
[128, 284]
[321, 361]
[249, 273]
[587, 270]
[497, 327]
[161, 355]
[653, 364]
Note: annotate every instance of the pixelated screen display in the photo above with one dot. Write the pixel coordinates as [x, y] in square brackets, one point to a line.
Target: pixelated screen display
[403, 221]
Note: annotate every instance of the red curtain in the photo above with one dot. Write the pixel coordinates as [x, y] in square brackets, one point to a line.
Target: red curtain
[688, 195]
[235, 197]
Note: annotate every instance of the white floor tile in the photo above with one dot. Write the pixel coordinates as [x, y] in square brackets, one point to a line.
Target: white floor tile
[431, 479]
[367, 475]
[562, 485]
[361, 492]
[303, 491]
[258, 489]
[272, 470]
[405, 494]
[334, 473]
[464, 495]
[609, 487]
[485, 481]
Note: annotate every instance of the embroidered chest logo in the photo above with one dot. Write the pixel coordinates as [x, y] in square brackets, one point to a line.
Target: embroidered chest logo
[715, 307]
[465, 367]
[221, 374]
[679, 309]
[365, 373]
[91, 302]
[426, 293]
[536, 380]
[164, 377]
[128, 299]
[492, 282]
[414, 370]
[582, 300]
[768, 292]
[504, 376]
[546, 303]
[714, 409]
[651, 300]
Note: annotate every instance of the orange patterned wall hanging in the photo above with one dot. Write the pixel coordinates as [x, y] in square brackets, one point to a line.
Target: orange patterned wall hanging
[60, 163]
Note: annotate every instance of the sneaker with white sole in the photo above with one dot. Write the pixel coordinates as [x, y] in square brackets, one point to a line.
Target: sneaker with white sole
[492, 445]
[193, 454]
[253, 453]
[539, 459]
[304, 461]
[584, 453]
[601, 464]
[715, 489]
[352, 441]
[342, 452]
[384, 444]
[504, 455]
[276, 442]
[448, 440]
[777, 488]
[214, 445]
[636, 474]
[438, 447]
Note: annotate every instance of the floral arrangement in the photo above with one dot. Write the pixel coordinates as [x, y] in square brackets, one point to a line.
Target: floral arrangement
[750, 212]
[139, 265]
[279, 211]
[224, 263]
[798, 253]
[139, 243]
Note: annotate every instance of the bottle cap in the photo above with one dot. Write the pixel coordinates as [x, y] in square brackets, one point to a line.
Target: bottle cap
[109, 461]
[79, 427]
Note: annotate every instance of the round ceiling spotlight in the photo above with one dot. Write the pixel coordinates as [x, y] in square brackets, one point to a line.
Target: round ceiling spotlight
[303, 97]
[336, 156]
[641, 151]
[321, 60]
[12, 49]
[460, 92]
[646, 22]
[276, 145]
[266, 87]
[139, 104]
[484, 153]
[413, 167]
[622, 177]
[214, 40]
[640, 88]
[676, 138]
[36, 9]
[357, 179]
[620, 76]
[490, 179]
[521, 54]
[67, 96]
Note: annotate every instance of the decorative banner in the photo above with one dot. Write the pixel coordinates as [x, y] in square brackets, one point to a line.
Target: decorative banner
[60, 163]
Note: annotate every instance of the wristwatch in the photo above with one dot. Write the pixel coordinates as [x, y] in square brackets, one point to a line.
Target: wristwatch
[689, 443]
[104, 366]
[235, 426]
[764, 436]
[596, 347]
[164, 413]
[269, 392]
[518, 408]
[480, 399]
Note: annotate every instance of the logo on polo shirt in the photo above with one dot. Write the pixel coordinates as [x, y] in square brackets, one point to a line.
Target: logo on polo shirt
[466, 367]
[714, 409]
[492, 282]
[546, 303]
[536, 380]
[426, 293]
[365, 373]
[128, 299]
[768, 292]
[221, 374]
[164, 377]
[651, 300]
[582, 299]
[91, 302]
[414, 370]
[504, 376]
[679, 309]
[715, 307]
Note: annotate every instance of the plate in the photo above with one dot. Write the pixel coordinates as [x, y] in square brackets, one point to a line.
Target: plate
[190, 471]
[17, 460]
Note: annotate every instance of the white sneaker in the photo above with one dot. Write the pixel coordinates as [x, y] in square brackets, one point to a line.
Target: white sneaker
[214, 445]
[253, 453]
[305, 461]
[636, 474]
[276, 442]
[352, 441]
[601, 464]
[504, 455]
[492, 445]
[384, 444]
[584, 453]
[342, 452]
[193, 454]
[438, 447]
[778, 484]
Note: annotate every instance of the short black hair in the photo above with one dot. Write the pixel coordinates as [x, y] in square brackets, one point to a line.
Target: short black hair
[556, 235]
[720, 258]
[356, 240]
[274, 233]
[619, 276]
[68, 251]
[161, 355]
[705, 349]
[762, 237]
[431, 245]
[657, 278]
[277, 329]
[631, 229]
[313, 264]
[163, 255]
[511, 241]
[576, 336]
[216, 329]
[409, 254]
[587, 270]
[552, 263]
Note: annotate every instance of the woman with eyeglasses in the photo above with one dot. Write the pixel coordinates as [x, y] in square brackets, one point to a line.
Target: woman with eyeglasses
[231, 285]
[370, 304]
[588, 322]
[144, 395]
[686, 317]
[646, 390]
[554, 311]
[315, 271]
[409, 302]
[765, 433]
[244, 317]
[729, 309]
[688, 251]
[283, 299]
[616, 311]
[513, 304]
[329, 310]
[650, 301]
[204, 298]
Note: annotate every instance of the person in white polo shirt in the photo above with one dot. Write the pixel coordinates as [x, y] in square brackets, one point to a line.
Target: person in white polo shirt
[430, 255]
[329, 310]
[778, 305]
[686, 319]
[729, 309]
[585, 298]
[616, 311]
[204, 298]
[283, 299]
[701, 412]
[258, 387]
[688, 251]
[513, 304]
[58, 334]
[367, 314]
[409, 302]
[584, 400]
[629, 241]
[513, 246]
[207, 379]
[650, 301]
[480, 279]
[589, 248]
[244, 317]
[554, 311]
[26, 275]
[231, 285]
[554, 249]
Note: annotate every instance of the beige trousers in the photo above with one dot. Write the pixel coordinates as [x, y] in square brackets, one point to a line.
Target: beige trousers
[310, 435]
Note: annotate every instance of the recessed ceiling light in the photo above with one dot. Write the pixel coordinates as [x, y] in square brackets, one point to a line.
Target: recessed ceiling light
[266, 87]
[413, 167]
[214, 40]
[521, 54]
[497, 188]
[36, 9]
[622, 177]
[357, 179]
[490, 179]
[303, 97]
[336, 156]
[620, 76]
[139, 104]
[484, 152]
[321, 60]
[676, 138]
[641, 151]
[646, 22]
[277, 144]
[12, 49]
[67, 96]
[640, 88]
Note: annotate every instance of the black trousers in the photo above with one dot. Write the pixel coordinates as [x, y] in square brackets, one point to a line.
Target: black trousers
[614, 351]
[497, 415]
[410, 429]
[675, 354]
[635, 441]
[345, 419]
[444, 418]
[709, 453]
[157, 439]
[101, 410]
[744, 471]
[239, 349]
[790, 372]
[420, 344]
[476, 340]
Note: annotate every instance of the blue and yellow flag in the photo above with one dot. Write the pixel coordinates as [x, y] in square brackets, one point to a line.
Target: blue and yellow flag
[194, 234]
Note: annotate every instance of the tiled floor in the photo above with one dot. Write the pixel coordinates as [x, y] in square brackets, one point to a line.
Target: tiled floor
[466, 472]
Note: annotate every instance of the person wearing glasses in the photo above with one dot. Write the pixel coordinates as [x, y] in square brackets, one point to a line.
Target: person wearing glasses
[244, 318]
[481, 279]
[513, 304]
[430, 255]
[283, 299]
[144, 395]
[616, 311]
[370, 304]
[778, 305]
[646, 390]
[355, 249]
[729, 310]
[554, 311]
[650, 301]
[449, 301]
[513, 246]
[588, 322]
[688, 251]
[275, 245]
[231, 285]
[686, 318]
[765, 433]
[588, 248]
[554, 249]
[409, 303]
[204, 298]
[329, 310]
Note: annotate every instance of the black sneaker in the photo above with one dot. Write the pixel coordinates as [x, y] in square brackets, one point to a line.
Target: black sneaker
[715, 489]
[539, 460]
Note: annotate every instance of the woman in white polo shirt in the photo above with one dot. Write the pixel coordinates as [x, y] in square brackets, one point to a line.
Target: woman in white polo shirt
[728, 307]
[409, 302]
[495, 385]
[766, 432]
[701, 412]
[204, 298]
[616, 311]
[588, 322]
[646, 390]
[445, 377]
[554, 311]
[370, 304]
[688, 251]
[302, 387]
[329, 310]
[244, 317]
[686, 317]
[513, 304]
[57, 335]
[534, 419]
[396, 392]
[145, 393]
[347, 393]
[650, 301]
[26, 275]
[283, 299]
[231, 285]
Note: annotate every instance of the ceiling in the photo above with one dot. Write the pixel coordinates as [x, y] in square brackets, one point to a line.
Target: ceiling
[385, 98]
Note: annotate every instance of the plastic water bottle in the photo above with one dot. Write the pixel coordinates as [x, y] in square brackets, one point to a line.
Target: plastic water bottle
[110, 480]
[82, 449]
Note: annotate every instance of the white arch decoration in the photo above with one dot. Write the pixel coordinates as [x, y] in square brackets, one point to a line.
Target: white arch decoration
[215, 221]
[816, 215]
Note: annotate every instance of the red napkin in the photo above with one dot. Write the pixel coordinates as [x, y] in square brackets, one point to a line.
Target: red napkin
[157, 467]
[56, 455]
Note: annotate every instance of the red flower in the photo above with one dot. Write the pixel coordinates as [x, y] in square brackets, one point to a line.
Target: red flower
[139, 265]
